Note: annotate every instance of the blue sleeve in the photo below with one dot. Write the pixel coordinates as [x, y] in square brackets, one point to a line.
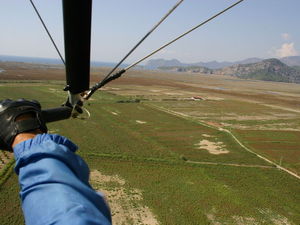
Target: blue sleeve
[54, 184]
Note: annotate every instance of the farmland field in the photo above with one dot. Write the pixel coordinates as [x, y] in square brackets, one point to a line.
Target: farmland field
[168, 154]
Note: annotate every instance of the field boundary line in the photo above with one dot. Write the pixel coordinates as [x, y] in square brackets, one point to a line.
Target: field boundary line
[158, 160]
[131, 158]
[282, 108]
[231, 164]
[185, 116]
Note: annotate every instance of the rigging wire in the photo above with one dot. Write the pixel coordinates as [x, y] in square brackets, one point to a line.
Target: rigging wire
[181, 36]
[96, 86]
[46, 29]
[119, 73]
[152, 29]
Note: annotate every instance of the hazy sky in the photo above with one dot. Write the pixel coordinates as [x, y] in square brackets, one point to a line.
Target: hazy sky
[255, 28]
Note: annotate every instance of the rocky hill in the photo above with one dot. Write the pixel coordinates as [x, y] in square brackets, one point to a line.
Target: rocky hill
[159, 63]
[268, 70]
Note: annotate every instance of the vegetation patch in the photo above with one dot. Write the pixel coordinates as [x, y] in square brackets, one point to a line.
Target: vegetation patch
[188, 193]
[125, 203]
[148, 163]
[215, 148]
[283, 147]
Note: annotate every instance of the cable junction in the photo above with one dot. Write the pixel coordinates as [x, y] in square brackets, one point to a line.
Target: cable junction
[106, 78]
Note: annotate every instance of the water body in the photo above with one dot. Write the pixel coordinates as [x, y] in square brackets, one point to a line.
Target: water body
[8, 58]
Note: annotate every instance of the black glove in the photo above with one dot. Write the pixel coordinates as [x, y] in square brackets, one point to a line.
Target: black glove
[9, 127]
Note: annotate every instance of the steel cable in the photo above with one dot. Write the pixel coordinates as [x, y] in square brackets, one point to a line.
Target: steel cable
[100, 84]
[119, 73]
[46, 29]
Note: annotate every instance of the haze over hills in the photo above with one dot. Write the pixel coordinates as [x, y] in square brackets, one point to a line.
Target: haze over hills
[154, 63]
[267, 70]
[157, 63]
[36, 60]
[291, 60]
[284, 70]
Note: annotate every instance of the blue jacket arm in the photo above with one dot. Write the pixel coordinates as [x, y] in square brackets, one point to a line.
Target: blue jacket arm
[54, 184]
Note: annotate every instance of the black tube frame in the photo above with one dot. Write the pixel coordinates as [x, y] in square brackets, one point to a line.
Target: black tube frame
[77, 15]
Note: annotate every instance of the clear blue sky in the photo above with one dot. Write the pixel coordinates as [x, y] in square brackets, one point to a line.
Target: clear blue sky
[255, 28]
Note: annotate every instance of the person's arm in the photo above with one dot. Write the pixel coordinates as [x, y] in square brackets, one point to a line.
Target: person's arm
[54, 183]
[53, 179]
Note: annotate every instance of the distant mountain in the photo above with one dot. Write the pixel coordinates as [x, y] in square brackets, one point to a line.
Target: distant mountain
[291, 60]
[249, 60]
[268, 70]
[212, 64]
[187, 69]
[158, 63]
[218, 65]
[254, 68]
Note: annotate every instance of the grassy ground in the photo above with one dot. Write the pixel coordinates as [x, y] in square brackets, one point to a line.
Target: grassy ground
[149, 148]
[272, 133]
[10, 212]
[146, 132]
[191, 194]
[237, 113]
[281, 147]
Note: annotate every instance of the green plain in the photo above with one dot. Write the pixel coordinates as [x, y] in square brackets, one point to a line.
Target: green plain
[146, 147]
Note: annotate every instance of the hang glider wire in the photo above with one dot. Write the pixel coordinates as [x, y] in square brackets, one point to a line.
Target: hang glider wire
[152, 29]
[65, 111]
[119, 73]
[46, 29]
